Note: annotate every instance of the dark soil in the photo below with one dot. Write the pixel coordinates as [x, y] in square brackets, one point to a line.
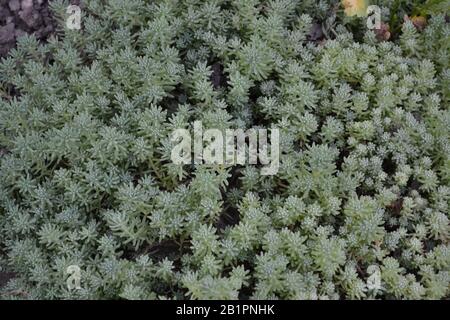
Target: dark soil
[18, 17]
[5, 277]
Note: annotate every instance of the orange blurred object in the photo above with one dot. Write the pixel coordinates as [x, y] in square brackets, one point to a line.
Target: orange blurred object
[355, 7]
[419, 22]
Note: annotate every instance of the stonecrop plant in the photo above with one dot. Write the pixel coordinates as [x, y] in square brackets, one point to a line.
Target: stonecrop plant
[363, 187]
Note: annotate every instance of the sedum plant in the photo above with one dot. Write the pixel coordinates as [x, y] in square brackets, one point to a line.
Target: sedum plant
[86, 177]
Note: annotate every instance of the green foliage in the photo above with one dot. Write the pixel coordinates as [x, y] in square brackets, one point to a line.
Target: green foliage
[86, 177]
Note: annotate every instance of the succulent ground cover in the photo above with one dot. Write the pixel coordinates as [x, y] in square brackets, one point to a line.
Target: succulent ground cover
[358, 209]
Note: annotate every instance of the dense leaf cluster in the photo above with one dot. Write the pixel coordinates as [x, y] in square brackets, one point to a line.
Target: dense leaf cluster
[86, 177]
